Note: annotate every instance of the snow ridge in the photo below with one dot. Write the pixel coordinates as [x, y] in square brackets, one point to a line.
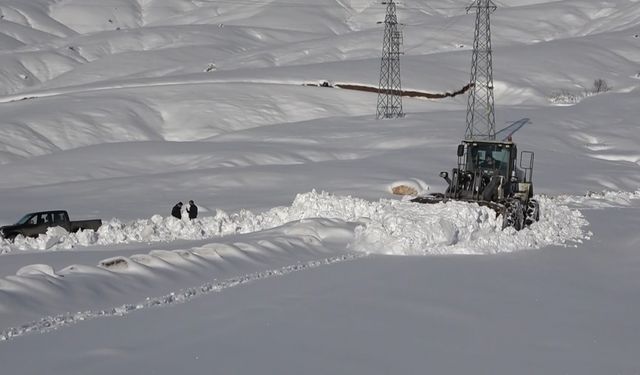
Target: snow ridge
[386, 226]
[600, 199]
[51, 323]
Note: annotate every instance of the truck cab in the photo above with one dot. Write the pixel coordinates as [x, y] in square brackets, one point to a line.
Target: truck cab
[36, 223]
[39, 218]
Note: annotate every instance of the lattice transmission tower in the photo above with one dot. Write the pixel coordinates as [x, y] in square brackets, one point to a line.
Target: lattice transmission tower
[390, 90]
[480, 112]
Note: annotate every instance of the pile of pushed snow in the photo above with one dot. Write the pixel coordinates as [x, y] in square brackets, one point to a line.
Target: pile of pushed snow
[463, 228]
[386, 226]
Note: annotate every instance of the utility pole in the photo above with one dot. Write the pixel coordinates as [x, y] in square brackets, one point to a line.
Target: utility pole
[480, 112]
[390, 90]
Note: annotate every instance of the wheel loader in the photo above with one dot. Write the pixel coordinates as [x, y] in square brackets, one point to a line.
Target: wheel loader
[488, 174]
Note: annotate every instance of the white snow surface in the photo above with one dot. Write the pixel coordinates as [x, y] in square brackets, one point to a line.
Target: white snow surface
[387, 227]
[301, 259]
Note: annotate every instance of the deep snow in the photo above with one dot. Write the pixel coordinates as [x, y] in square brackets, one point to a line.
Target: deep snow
[118, 110]
[386, 226]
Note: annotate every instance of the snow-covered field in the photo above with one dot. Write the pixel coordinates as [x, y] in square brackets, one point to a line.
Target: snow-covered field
[301, 260]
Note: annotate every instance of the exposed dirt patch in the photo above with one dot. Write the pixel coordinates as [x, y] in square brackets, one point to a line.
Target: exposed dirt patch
[408, 93]
[404, 190]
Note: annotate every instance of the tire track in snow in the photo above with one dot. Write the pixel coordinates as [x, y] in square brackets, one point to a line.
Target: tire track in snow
[51, 323]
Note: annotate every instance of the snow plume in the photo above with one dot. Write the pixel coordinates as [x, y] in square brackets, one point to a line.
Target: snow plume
[386, 226]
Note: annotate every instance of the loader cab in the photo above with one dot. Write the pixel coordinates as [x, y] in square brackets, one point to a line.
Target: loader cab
[488, 157]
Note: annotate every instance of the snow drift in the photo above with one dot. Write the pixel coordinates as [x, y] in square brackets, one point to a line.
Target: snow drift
[385, 226]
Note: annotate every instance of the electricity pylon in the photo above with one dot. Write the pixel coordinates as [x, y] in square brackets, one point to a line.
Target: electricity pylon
[390, 90]
[480, 112]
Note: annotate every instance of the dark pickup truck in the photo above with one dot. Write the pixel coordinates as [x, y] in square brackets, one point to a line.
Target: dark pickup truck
[35, 223]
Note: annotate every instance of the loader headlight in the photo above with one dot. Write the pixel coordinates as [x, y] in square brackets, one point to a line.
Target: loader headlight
[444, 175]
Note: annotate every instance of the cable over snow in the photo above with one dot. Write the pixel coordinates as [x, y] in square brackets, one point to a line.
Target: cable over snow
[385, 227]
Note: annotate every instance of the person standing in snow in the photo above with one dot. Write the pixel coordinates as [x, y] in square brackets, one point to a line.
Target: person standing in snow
[176, 211]
[192, 210]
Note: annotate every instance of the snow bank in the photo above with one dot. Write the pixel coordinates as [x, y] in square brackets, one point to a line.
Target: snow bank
[600, 199]
[386, 226]
[461, 228]
[50, 323]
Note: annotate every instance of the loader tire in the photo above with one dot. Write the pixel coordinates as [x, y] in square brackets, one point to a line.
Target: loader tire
[514, 214]
[533, 212]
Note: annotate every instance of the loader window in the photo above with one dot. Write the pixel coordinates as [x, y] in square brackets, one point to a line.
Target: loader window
[488, 156]
[488, 161]
[481, 157]
[501, 157]
[474, 156]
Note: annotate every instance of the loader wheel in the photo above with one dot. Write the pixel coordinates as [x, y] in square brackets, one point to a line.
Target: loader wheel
[533, 212]
[514, 214]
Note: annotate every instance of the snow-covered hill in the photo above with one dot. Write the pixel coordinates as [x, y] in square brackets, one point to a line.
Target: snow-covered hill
[118, 109]
[153, 77]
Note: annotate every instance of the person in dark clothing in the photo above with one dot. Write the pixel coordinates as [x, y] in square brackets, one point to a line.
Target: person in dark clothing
[176, 211]
[192, 210]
